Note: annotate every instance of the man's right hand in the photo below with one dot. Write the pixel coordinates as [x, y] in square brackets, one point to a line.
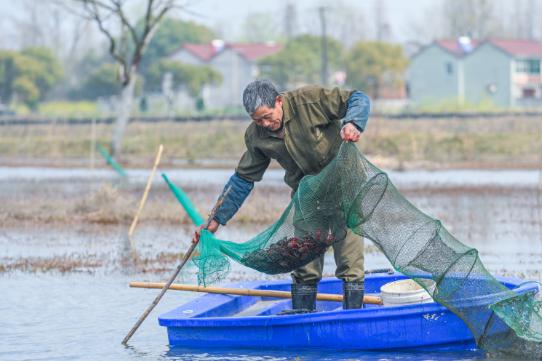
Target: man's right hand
[213, 226]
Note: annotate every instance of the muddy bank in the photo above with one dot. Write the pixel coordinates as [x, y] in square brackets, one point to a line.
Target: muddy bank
[31, 197]
[32, 205]
[80, 226]
[106, 204]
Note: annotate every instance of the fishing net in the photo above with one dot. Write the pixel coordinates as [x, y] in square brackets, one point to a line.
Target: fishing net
[350, 192]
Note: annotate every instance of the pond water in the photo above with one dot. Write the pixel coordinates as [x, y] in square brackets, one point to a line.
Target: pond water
[64, 294]
[463, 177]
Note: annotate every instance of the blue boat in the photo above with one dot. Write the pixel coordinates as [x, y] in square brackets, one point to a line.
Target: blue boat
[226, 321]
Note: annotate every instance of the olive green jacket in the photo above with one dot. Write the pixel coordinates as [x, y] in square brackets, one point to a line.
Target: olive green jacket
[312, 123]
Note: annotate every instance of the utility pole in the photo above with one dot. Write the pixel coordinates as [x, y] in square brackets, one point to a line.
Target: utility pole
[290, 18]
[530, 20]
[324, 75]
[378, 19]
[382, 25]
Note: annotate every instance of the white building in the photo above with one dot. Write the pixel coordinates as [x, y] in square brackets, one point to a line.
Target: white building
[236, 62]
[504, 71]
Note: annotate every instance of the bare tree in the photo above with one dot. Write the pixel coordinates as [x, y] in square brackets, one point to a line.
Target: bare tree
[47, 24]
[344, 22]
[126, 47]
[474, 18]
[525, 12]
[418, 32]
[260, 27]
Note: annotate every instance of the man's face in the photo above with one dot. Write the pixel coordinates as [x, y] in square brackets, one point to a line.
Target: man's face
[269, 118]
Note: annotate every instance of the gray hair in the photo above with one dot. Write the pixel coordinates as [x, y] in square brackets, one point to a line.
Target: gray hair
[261, 92]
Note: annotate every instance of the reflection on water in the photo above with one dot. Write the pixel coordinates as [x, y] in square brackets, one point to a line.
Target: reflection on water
[183, 354]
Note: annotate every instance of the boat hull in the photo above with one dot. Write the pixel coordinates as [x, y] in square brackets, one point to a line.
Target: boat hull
[227, 321]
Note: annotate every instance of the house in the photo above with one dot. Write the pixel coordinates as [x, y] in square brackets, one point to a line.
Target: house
[237, 62]
[503, 71]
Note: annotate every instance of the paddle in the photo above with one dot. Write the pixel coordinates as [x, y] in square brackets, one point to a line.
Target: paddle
[248, 292]
[175, 274]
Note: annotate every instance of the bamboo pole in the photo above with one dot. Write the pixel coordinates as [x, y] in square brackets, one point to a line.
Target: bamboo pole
[375, 300]
[145, 194]
[92, 143]
[187, 256]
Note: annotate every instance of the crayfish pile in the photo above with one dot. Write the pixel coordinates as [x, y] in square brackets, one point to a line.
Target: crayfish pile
[288, 253]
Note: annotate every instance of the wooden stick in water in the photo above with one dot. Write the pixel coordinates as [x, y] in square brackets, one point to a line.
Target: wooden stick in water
[175, 274]
[375, 300]
[145, 195]
[92, 143]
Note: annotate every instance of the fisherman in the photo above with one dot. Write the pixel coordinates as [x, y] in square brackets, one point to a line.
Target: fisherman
[302, 129]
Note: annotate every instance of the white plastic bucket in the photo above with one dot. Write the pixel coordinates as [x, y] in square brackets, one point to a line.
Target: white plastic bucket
[406, 292]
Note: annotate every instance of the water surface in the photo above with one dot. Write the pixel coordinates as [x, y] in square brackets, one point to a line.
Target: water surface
[81, 311]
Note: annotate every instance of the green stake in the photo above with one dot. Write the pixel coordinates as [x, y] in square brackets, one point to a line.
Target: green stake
[189, 207]
[109, 159]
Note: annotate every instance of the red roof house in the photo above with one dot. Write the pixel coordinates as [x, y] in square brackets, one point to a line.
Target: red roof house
[237, 62]
[505, 72]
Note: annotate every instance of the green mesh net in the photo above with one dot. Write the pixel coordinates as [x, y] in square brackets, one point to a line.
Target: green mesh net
[350, 192]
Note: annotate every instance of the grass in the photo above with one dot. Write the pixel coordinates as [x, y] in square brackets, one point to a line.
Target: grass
[105, 204]
[453, 105]
[63, 109]
[513, 141]
[482, 142]
[63, 264]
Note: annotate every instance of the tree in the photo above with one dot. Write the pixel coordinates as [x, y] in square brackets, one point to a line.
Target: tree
[372, 65]
[28, 75]
[127, 50]
[171, 35]
[346, 22]
[260, 28]
[10, 69]
[474, 18]
[300, 61]
[525, 26]
[192, 77]
[102, 82]
[51, 70]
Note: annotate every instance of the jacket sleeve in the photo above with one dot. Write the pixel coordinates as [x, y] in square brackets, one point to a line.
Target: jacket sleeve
[239, 190]
[334, 102]
[253, 163]
[250, 169]
[358, 109]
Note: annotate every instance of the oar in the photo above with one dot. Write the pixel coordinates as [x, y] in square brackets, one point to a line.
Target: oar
[177, 271]
[247, 292]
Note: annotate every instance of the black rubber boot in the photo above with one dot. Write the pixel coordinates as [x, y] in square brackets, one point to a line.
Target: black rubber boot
[303, 299]
[353, 295]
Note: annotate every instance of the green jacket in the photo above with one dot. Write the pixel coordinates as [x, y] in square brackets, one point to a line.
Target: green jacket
[312, 123]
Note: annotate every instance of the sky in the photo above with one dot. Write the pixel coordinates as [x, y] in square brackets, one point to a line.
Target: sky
[232, 13]
[409, 20]
[229, 16]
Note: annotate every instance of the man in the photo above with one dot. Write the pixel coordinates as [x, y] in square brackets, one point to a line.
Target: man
[303, 130]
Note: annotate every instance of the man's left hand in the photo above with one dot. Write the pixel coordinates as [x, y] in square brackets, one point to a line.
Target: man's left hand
[349, 133]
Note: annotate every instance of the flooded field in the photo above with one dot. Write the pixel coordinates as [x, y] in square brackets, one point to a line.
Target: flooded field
[65, 260]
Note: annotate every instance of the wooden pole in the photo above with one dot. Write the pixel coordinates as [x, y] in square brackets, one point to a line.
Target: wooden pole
[145, 194]
[92, 143]
[176, 273]
[248, 292]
